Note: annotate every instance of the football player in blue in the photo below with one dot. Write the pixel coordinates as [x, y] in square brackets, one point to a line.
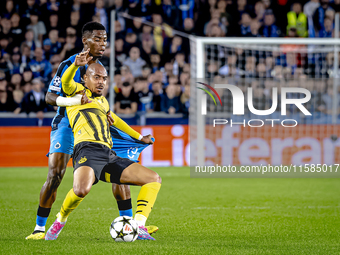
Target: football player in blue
[94, 39]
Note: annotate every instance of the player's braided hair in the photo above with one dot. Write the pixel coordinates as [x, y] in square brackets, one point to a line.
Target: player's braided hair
[90, 26]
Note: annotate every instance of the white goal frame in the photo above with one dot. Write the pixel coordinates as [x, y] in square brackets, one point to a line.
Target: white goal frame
[198, 69]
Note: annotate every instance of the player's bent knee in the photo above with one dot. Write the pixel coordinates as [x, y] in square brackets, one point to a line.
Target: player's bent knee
[155, 178]
[81, 191]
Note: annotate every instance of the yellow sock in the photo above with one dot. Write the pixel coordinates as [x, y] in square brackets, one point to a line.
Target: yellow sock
[145, 201]
[70, 203]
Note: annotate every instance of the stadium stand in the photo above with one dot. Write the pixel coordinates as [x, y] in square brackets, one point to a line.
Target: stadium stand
[35, 36]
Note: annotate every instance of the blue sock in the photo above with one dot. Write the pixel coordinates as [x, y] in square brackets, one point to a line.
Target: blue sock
[125, 207]
[126, 212]
[41, 221]
[42, 216]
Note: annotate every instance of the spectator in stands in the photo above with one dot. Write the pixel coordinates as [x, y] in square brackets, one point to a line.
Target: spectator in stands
[6, 27]
[75, 22]
[212, 70]
[170, 102]
[7, 103]
[175, 45]
[131, 40]
[155, 59]
[160, 31]
[185, 100]
[254, 28]
[9, 9]
[38, 27]
[18, 95]
[259, 9]
[137, 26]
[250, 67]
[327, 30]
[27, 75]
[215, 31]
[297, 19]
[159, 76]
[16, 81]
[30, 42]
[269, 29]
[27, 8]
[147, 49]
[127, 75]
[171, 14]
[245, 30]
[15, 65]
[55, 46]
[146, 71]
[320, 15]
[17, 30]
[101, 12]
[70, 48]
[119, 50]
[157, 92]
[142, 8]
[126, 100]
[34, 101]
[53, 23]
[189, 26]
[134, 62]
[3, 64]
[40, 66]
[144, 95]
[184, 79]
[5, 48]
[173, 79]
[178, 63]
[50, 7]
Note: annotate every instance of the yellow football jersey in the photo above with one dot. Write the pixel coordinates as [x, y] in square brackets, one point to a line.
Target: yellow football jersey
[89, 121]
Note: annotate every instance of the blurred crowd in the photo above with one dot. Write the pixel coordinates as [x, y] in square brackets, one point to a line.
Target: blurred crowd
[152, 63]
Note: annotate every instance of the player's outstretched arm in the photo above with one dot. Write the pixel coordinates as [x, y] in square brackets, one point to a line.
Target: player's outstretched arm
[79, 99]
[70, 87]
[122, 125]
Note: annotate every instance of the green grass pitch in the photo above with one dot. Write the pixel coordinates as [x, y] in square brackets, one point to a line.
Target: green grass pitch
[195, 216]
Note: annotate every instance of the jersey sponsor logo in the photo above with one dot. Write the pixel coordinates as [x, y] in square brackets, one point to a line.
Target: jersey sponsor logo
[79, 132]
[131, 152]
[54, 88]
[57, 81]
[82, 160]
[57, 145]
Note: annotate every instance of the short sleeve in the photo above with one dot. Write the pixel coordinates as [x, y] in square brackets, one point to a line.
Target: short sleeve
[55, 84]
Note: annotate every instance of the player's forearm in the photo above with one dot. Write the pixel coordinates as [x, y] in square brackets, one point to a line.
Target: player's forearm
[68, 84]
[121, 124]
[51, 98]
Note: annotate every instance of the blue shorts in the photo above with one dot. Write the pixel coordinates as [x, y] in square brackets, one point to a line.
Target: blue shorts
[62, 140]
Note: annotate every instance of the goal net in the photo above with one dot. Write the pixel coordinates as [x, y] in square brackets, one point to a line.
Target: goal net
[228, 129]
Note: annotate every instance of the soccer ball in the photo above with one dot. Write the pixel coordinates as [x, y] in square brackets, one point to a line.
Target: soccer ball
[124, 229]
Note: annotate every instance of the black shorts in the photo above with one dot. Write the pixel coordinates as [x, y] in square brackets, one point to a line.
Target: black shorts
[106, 165]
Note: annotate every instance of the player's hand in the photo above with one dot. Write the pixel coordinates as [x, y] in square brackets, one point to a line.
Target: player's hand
[110, 119]
[82, 59]
[84, 98]
[148, 139]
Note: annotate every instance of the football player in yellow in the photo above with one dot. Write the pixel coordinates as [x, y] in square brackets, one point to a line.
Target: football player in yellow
[93, 159]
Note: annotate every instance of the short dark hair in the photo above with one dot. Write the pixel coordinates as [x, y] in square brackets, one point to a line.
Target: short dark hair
[90, 26]
[141, 79]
